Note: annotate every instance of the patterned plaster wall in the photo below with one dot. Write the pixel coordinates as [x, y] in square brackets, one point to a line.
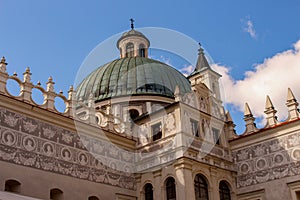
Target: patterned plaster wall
[34, 143]
[268, 160]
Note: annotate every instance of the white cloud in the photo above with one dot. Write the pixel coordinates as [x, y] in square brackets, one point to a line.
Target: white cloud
[272, 77]
[249, 27]
[187, 70]
[165, 60]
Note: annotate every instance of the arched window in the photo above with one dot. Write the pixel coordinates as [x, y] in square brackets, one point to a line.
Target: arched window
[56, 194]
[148, 191]
[129, 50]
[93, 198]
[224, 191]
[12, 186]
[142, 50]
[133, 114]
[201, 188]
[171, 189]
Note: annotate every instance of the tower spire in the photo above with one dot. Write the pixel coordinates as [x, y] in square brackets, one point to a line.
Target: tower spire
[132, 23]
[202, 62]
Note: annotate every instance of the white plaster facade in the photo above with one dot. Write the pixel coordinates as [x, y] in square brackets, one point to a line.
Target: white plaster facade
[93, 151]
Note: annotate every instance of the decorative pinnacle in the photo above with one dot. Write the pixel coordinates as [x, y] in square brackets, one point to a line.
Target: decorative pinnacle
[3, 65]
[290, 96]
[132, 23]
[27, 70]
[269, 104]
[50, 79]
[247, 111]
[71, 92]
[228, 117]
[3, 60]
[27, 75]
[50, 84]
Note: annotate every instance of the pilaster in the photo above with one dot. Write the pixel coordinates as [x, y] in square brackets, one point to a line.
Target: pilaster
[184, 183]
[158, 187]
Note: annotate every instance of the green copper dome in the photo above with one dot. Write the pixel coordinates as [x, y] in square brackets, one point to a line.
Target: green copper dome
[132, 76]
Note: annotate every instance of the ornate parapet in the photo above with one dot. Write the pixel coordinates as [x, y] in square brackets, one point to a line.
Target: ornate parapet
[84, 112]
[270, 113]
[26, 88]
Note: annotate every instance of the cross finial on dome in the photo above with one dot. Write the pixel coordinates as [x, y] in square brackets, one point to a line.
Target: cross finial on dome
[201, 50]
[132, 23]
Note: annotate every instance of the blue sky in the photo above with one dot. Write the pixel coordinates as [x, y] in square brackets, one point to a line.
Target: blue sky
[54, 37]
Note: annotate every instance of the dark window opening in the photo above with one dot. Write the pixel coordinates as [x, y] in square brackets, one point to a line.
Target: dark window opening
[171, 189]
[93, 198]
[56, 194]
[12, 186]
[156, 132]
[224, 191]
[201, 188]
[195, 127]
[142, 50]
[148, 192]
[133, 114]
[298, 195]
[216, 134]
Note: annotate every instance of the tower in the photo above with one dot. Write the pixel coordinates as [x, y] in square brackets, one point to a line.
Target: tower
[203, 73]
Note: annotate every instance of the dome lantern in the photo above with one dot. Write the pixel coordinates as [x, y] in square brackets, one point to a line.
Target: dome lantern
[133, 43]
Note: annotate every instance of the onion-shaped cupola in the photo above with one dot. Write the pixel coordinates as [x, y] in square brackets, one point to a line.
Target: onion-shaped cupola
[133, 44]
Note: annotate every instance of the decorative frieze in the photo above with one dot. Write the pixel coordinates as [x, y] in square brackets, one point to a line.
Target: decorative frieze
[268, 160]
[33, 143]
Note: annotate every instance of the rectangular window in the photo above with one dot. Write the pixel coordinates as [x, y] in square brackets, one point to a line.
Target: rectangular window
[156, 131]
[195, 127]
[216, 134]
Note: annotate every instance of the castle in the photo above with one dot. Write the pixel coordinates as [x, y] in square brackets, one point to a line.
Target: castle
[136, 128]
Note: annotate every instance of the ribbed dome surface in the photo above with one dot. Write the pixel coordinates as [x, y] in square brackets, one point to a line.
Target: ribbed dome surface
[132, 76]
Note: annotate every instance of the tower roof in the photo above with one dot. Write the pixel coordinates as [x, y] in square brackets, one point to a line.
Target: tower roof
[202, 62]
